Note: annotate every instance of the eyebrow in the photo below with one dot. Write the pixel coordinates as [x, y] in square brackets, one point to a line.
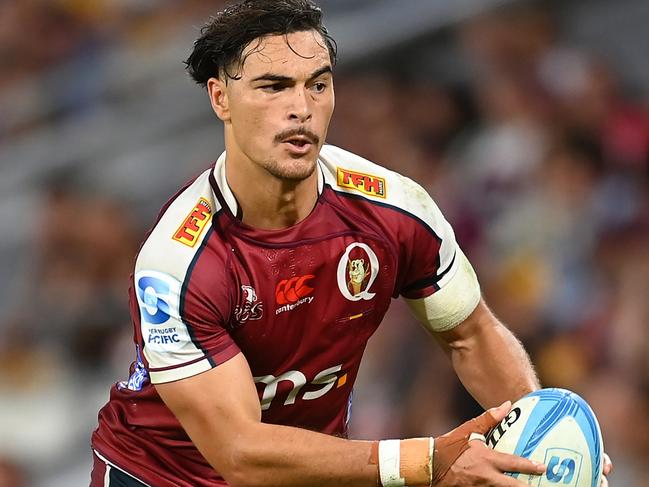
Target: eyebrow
[280, 78]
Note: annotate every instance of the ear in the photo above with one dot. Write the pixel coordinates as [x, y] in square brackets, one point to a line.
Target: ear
[216, 89]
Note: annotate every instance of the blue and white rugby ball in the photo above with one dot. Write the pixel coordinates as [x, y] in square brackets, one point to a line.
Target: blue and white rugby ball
[558, 428]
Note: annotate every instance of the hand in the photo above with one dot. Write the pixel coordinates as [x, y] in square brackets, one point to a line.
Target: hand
[462, 462]
[608, 468]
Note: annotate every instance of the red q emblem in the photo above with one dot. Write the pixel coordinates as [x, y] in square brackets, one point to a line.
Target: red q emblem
[357, 271]
[293, 289]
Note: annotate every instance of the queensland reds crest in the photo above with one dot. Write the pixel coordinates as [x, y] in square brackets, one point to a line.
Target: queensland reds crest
[357, 271]
[250, 309]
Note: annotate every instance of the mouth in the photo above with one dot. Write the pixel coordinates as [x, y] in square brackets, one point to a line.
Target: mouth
[298, 144]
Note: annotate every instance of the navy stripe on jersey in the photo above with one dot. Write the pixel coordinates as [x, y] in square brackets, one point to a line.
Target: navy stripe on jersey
[429, 281]
[117, 477]
[185, 364]
[221, 199]
[120, 479]
[183, 291]
[386, 205]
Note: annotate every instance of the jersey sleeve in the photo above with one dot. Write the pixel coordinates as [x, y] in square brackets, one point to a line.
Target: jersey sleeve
[183, 331]
[181, 300]
[438, 281]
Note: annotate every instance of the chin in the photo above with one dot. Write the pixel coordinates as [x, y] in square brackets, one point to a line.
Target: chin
[292, 169]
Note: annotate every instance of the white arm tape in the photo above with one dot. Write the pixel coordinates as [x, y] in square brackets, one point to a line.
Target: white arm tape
[390, 463]
[452, 304]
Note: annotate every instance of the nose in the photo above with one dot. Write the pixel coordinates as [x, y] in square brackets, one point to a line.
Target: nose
[300, 108]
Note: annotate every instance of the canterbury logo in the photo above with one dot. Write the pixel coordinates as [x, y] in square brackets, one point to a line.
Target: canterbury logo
[292, 290]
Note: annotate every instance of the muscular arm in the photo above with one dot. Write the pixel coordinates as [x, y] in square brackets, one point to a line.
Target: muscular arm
[489, 360]
[220, 411]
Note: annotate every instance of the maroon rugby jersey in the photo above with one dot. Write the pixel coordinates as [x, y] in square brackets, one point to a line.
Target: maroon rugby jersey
[299, 303]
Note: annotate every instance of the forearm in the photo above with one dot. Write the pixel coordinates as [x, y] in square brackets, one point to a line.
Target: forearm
[491, 363]
[268, 455]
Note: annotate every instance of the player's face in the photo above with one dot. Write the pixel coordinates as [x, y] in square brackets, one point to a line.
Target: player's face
[279, 111]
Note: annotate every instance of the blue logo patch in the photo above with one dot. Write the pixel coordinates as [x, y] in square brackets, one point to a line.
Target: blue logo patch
[563, 467]
[153, 294]
[560, 472]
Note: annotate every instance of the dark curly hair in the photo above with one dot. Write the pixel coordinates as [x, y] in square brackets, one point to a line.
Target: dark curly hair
[219, 50]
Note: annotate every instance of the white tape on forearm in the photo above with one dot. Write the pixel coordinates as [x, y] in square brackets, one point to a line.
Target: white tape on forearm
[390, 463]
[404, 463]
[453, 303]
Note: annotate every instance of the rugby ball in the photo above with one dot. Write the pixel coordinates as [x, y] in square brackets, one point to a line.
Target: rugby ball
[557, 428]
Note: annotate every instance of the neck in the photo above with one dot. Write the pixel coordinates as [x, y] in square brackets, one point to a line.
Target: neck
[268, 202]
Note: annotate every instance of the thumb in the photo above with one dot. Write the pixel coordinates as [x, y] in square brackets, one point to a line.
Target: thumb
[490, 418]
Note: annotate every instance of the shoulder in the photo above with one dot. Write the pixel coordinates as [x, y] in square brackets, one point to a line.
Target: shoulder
[182, 231]
[352, 175]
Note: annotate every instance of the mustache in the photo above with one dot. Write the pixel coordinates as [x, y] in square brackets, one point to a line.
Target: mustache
[301, 131]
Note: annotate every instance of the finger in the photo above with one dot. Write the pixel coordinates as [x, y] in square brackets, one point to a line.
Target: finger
[512, 463]
[604, 482]
[608, 465]
[479, 437]
[490, 418]
[507, 481]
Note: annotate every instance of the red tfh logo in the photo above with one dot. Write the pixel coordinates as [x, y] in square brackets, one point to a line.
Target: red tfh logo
[365, 183]
[369, 184]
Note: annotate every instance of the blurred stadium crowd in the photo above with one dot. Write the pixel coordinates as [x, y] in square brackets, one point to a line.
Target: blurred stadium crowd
[536, 150]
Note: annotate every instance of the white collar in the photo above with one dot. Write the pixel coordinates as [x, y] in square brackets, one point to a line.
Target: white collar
[228, 195]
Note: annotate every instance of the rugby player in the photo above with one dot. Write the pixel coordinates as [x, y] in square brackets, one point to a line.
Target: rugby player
[258, 287]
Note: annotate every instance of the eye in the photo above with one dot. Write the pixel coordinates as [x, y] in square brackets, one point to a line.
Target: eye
[274, 88]
[319, 87]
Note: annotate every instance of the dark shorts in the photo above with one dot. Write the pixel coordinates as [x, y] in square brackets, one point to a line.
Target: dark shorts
[106, 475]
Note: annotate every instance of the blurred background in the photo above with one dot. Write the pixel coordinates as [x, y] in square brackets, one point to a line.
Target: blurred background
[527, 121]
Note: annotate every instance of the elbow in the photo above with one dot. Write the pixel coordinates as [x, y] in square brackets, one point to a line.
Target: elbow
[244, 468]
[238, 478]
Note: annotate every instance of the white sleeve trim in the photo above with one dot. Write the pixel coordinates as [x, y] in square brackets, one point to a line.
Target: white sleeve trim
[177, 373]
[453, 303]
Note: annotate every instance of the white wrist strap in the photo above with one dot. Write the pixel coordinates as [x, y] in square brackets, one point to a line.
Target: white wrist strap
[390, 463]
